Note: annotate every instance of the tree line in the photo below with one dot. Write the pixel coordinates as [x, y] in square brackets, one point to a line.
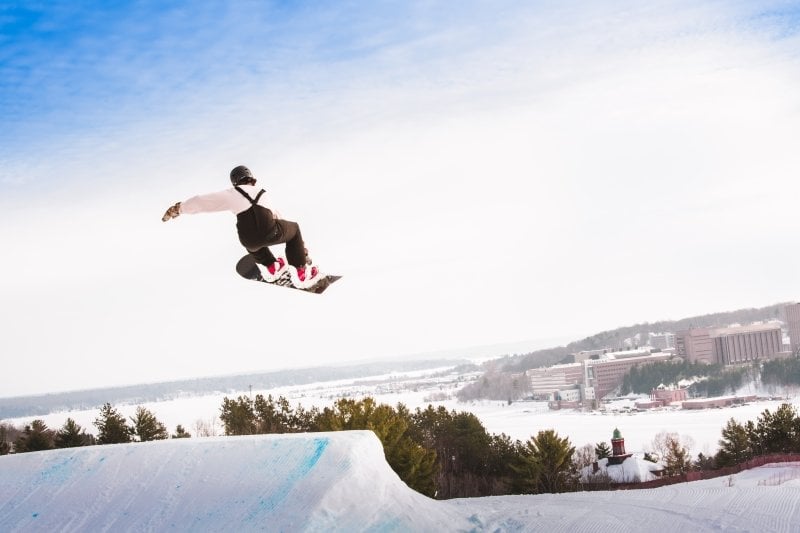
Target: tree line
[770, 433]
[440, 453]
[449, 454]
[781, 372]
[495, 385]
[715, 379]
[113, 428]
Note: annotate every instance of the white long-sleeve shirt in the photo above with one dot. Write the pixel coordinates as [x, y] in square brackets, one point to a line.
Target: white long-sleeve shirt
[227, 200]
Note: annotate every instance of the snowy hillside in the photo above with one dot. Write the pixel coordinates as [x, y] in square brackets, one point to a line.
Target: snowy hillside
[340, 481]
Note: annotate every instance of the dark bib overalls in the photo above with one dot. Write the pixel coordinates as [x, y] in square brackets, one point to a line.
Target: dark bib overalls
[258, 229]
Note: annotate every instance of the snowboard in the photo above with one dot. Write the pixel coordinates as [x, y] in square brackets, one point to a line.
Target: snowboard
[248, 269]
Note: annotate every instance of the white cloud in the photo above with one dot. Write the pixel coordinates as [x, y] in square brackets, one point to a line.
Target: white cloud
[566, 171]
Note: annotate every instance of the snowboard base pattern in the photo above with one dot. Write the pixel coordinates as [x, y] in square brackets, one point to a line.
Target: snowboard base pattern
[248, 269]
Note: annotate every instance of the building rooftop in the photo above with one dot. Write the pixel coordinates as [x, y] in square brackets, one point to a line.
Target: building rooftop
[730, 330]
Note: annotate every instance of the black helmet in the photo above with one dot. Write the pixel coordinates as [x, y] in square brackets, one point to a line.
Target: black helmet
[241, 175]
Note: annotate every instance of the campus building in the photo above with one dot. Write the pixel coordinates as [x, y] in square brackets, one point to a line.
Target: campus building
[695, 345]
[583, 355]
[793, 324]
[718, 402]
[662, 341]
[744, 344]
[602, 376]
[731, 345]
[546, 381]
[591, 379]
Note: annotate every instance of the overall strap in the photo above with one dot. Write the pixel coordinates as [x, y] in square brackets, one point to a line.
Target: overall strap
[252, 202]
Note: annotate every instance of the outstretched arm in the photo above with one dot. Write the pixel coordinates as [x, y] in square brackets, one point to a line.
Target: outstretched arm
[172, 212]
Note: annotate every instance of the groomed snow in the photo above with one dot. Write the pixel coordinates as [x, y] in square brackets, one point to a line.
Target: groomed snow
[341, 481]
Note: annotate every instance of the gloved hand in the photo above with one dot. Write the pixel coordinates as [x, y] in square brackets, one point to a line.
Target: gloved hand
[172, 212]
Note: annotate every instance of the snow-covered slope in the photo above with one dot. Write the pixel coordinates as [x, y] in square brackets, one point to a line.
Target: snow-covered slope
[341, 482]
[313, 482]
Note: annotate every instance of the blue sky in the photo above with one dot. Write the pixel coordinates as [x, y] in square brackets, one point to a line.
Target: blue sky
[501, 172]
[76, 68]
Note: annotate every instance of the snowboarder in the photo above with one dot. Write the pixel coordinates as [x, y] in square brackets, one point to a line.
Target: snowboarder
[257, 225]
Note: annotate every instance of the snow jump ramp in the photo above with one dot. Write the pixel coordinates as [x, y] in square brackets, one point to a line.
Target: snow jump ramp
[310, 482]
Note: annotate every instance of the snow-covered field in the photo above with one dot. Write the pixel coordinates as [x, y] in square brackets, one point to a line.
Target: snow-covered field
[341, 482]
[520, 420]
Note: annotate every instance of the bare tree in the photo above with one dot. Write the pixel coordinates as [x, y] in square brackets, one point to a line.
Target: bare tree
[584, 456]
[206, 428]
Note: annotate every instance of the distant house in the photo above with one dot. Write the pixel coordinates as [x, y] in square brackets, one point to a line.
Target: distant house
[669, 395]
[621, 467]
[662, 395]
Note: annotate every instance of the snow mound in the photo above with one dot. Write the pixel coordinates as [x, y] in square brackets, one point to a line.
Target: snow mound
[312, 482]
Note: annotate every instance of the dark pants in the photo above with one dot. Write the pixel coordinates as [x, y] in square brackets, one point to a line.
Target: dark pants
[285, 231]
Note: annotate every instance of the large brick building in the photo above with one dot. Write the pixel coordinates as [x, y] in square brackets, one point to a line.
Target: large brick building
[602, 376]
[744, 344]
[729, 346]
[546, 381]
[594, 377]
[695, 345]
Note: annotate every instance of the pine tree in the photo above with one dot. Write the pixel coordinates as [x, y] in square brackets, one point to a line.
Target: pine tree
[602, 450]
[5, 439]
[112, 428]
[35, 437]
[704, 463]
[734, 446]
[470, 461]
[72, 435]
[546, 464]
[147, 427]
[503, 453]
[181, 433]
[777, 432]
[277, 416]
[415, 464]
[238, 416]
[677, 460]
